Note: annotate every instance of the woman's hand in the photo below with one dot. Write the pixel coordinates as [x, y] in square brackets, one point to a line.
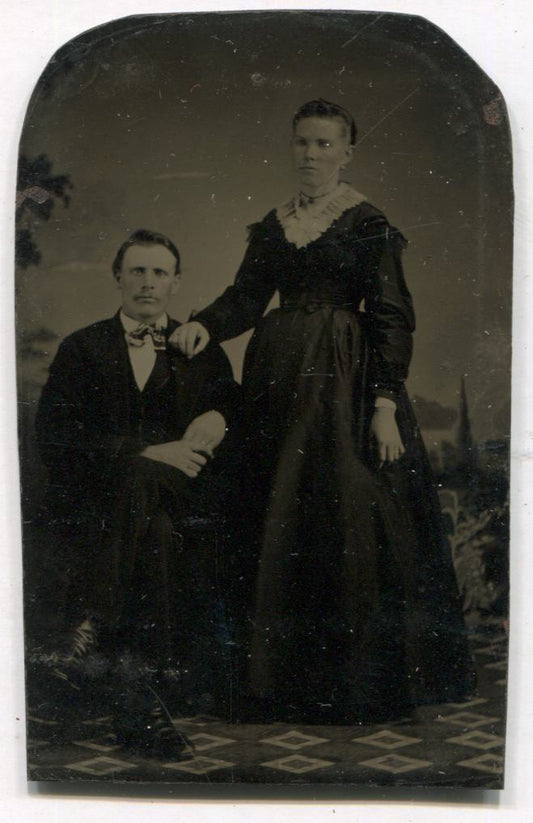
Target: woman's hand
[206, 431]
[191, 338]
[385, 430]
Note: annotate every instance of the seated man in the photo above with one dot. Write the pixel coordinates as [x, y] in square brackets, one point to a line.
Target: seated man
[128, 431]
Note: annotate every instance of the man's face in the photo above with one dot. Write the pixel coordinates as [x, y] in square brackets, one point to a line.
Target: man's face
[147, 281]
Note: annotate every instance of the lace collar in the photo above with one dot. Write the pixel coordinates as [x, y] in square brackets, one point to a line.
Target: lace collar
[303, 224]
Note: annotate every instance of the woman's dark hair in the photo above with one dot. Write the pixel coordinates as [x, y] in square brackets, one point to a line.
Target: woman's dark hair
[323, 108]
[145, 237]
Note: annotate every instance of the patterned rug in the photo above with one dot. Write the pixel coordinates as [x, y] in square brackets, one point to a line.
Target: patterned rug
[459, 745]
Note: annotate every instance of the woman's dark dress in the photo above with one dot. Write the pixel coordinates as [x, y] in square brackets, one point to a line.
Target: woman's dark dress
[356, 613]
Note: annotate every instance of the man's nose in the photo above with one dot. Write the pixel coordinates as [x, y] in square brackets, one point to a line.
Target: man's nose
[310, 151]
[148, 280]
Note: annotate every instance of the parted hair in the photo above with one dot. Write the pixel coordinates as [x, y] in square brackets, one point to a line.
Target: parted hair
[324, 108]
[145, 237]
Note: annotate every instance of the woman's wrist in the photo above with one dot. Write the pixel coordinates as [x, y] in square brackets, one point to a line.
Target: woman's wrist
[384, 403]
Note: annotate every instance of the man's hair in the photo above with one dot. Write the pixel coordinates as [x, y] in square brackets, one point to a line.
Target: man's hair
[145, 237]
[323, 108]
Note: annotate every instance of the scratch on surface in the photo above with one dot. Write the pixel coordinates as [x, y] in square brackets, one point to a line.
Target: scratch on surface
[359, 33]
[186, 740]
[422, 225]
[182, 175]
[398, 232]
[394, 108]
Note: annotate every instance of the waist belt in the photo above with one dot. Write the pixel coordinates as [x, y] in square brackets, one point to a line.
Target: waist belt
[312, 302]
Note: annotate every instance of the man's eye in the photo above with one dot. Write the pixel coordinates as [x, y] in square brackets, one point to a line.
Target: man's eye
[161, 272]
[324, 144]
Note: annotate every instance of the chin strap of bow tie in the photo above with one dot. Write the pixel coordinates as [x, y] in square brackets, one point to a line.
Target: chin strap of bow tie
[137, 337]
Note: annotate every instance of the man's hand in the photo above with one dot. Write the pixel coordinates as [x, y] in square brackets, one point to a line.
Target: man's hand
[385, 430]
[181, 454]
[191, 338]
[206, 431]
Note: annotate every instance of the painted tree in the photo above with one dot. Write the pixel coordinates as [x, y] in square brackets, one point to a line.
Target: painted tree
[37, 191]
[466, 447]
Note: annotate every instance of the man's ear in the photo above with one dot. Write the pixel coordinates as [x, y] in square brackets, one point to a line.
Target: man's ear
[116, 276]
[175, 284]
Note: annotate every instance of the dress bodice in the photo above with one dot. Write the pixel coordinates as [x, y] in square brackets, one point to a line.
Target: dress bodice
[356, 258]
[334, 266]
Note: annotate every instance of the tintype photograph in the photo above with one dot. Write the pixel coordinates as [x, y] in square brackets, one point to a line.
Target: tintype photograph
[263, 266]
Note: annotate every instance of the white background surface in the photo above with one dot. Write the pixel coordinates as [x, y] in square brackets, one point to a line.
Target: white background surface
[498, 34]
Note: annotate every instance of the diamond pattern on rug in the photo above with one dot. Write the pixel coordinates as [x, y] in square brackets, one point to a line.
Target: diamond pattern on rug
[387, 739]
[492, 650]
[468, 720]
[294, 740]
[197, 720]
[203, 742]
[492, 763]
[396, 763]
[98, 721]
[297, 764]
[99, 744]
[101, 765]
[478, 740]
[41, 721]
[200, 765]
[37, 744]
[476, 701]
[500, 666]
[473, 754]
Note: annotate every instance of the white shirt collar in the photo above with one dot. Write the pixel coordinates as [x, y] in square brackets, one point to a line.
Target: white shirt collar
[129, 324]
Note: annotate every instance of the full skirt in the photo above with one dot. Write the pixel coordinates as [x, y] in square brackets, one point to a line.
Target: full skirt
[351, 609]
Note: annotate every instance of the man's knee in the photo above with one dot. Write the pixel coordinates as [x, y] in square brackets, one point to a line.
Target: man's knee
[141, 471]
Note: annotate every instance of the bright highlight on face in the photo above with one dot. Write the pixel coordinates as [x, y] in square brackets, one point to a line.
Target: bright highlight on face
[320, 148]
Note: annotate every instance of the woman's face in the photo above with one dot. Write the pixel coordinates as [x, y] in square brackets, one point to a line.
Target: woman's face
[320, 148]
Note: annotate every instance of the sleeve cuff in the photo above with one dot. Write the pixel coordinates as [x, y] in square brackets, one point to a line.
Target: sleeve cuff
[384, 403]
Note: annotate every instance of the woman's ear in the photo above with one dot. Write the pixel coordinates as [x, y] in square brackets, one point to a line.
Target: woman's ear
[348, 155]
[175, 284]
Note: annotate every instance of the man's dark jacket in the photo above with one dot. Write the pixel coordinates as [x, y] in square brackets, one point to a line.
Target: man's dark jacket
[88, 421]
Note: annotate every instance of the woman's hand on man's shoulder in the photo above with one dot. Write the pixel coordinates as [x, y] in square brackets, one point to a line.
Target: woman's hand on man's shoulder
[191, 338]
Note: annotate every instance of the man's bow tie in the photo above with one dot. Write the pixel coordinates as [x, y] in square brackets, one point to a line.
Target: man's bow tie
[137, 336]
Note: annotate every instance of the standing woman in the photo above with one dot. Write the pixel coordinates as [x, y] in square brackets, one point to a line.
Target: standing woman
[355, 613]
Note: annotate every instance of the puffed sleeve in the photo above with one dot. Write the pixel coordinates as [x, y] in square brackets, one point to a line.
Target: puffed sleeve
[389, 309]
[242, 304]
